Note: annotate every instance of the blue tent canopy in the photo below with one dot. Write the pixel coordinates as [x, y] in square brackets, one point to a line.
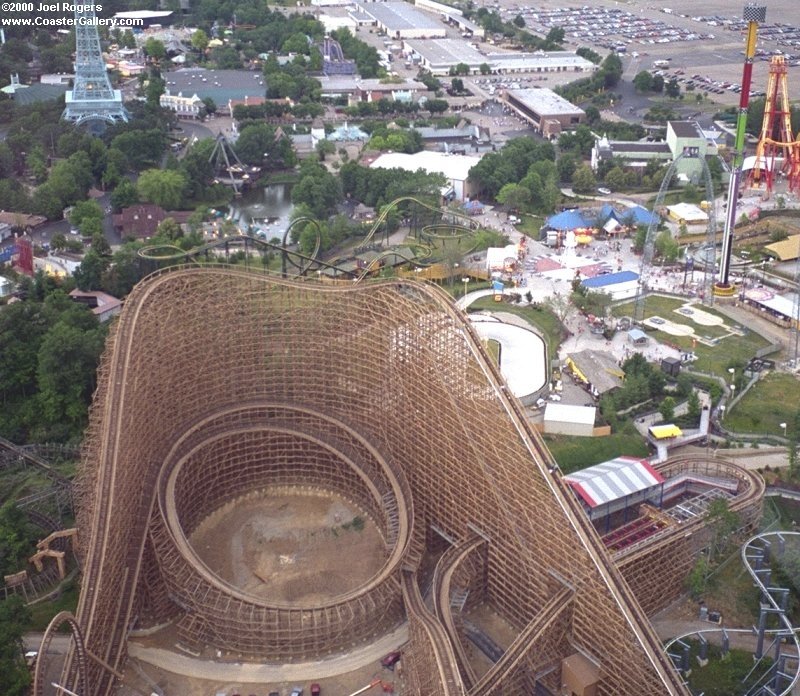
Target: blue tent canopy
[568, 220]
[638, 215]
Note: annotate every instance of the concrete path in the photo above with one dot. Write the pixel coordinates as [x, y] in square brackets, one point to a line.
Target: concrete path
[522, 354]
[249, 673]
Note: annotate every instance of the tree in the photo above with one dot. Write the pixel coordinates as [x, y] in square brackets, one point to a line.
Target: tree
[210, 105]
[693, 405]
[100, 245]
[169, 229]
[667, 409]
[643, 81]
[199, 40]
[124, 195]
[90, 227]
[89, 274]
[696, 582]
[514, 196]
[566, 166]
[162, 187]
[67, 363]
[324, 148]
[666, 247]
[673, 89]
[793, 446]
[436, 106]
[15, 677]
[583, 180]
[318, 189]
[723, 522]
[560, 305]
[457, 85]
[85, 210]
[17, 539]
[519, 21]
[485, 68]
[154, 49]
[615, 179]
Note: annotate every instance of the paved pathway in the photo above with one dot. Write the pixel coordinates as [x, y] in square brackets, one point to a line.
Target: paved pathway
[249, 673]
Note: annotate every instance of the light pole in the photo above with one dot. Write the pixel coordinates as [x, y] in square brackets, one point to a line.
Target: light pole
[465, 280]
[783, 425]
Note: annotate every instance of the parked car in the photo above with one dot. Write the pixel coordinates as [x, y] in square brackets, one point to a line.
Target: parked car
[603, 191]
[297, 691]
[390, 660]
[315, 690]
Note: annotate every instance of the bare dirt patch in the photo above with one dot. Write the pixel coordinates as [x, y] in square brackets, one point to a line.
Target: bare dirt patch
[290, 546]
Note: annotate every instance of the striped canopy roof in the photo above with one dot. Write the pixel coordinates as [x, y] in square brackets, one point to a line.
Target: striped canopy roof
[617, 478]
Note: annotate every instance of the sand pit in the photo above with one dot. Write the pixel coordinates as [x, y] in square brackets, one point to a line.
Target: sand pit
[289, 547]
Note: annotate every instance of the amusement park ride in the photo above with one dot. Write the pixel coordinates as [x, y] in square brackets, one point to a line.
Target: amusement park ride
[777, 149]
[229, 169]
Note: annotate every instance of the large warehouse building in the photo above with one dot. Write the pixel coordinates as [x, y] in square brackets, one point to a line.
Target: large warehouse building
[403, 21]
[547, 112]
[439, 55]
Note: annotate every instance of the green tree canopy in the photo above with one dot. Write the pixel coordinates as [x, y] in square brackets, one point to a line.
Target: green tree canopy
[162, 187]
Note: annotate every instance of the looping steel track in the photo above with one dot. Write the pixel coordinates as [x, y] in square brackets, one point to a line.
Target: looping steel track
[462, 226]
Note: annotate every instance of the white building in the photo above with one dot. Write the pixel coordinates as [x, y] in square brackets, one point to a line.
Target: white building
[439, 55]
[184, 107]
[565, 419]
[401, 20]
[455, 168]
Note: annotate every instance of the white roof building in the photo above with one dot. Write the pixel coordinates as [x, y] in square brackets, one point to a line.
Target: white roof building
[455, 168]
[400, 20]
[439, 55]
[687, 213]
[566, 419]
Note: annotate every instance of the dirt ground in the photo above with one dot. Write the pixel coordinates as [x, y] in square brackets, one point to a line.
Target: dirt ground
[290, 547]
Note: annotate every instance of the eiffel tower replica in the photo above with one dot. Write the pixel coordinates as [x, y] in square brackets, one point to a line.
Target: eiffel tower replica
[91, 101]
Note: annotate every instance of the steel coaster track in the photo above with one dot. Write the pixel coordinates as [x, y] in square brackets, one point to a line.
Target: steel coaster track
[305, 263]
[788, 630]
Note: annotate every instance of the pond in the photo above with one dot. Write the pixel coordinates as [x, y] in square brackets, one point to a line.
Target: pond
[263, 211]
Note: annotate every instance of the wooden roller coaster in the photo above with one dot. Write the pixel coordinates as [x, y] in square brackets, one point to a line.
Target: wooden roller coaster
[382, 387]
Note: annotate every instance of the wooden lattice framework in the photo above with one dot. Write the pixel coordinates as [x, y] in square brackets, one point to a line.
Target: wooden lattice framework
[381, 391]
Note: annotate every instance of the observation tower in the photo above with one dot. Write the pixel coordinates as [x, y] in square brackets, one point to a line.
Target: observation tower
[92, 99]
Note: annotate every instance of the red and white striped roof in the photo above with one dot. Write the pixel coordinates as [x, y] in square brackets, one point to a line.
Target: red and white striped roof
[614, 479]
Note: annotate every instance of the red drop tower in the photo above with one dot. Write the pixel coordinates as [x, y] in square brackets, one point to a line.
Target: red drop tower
[777, 150]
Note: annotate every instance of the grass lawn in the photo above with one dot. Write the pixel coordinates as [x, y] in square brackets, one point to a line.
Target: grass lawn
[772, 401]
[530, 225]
[543, 319]
[724, 678]
[493, 348]
[734, 350]
[43, 612]
[576, 453]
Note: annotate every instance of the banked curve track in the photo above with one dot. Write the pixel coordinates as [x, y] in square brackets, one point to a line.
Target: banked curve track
[98, 546]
